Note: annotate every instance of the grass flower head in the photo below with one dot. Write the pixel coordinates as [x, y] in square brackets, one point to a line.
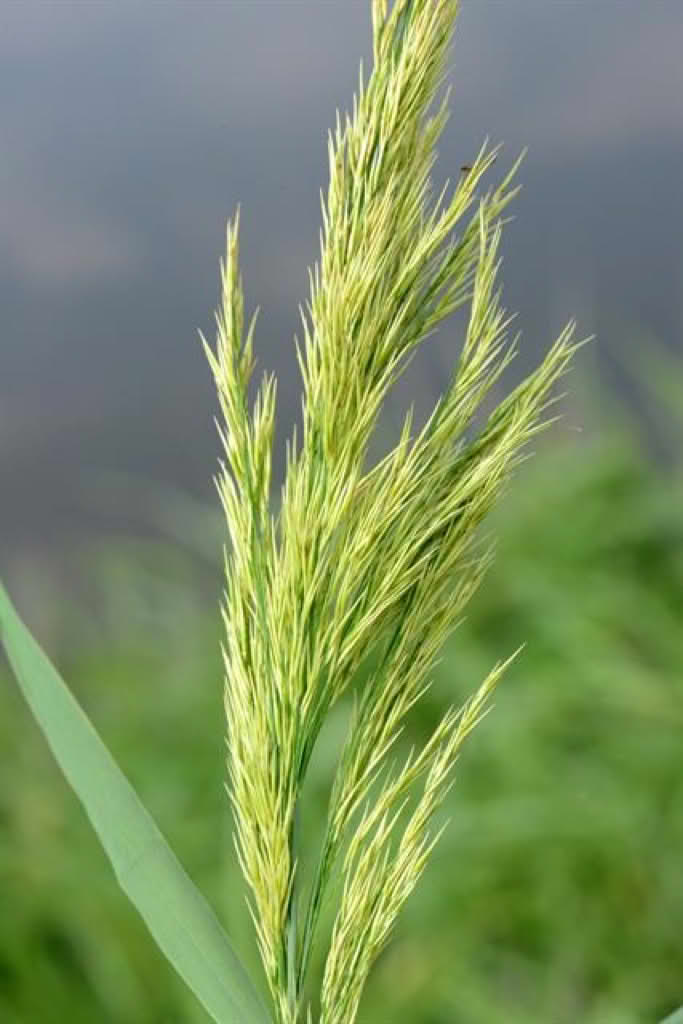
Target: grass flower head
[364, 560]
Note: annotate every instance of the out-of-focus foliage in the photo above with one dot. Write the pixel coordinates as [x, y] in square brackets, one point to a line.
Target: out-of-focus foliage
[556, 894]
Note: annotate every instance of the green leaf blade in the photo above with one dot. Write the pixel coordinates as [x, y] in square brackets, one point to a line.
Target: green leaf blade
[181, 921]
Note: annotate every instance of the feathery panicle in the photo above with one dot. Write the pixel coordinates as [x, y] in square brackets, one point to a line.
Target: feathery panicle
[378, 882]
[364, 559]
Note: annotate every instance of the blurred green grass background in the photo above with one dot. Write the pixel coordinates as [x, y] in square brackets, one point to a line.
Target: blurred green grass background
[556, 894]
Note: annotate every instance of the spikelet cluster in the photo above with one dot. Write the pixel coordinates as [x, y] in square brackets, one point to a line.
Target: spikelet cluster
[360, 559]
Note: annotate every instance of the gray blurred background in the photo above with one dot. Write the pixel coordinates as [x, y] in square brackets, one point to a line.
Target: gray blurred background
[130, 131]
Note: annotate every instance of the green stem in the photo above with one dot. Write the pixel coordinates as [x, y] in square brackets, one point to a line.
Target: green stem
[291, 931]
[314, 906]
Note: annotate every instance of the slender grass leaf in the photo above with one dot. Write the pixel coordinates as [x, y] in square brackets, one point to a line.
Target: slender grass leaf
[179, 918]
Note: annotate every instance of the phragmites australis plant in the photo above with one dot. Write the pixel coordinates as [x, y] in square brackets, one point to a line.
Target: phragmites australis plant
[363, 560]
[353, 586]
